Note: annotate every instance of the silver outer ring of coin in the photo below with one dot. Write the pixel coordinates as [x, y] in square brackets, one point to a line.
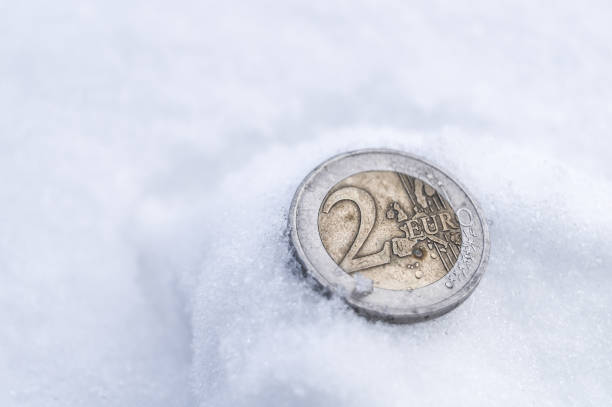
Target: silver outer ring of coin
[391, 305]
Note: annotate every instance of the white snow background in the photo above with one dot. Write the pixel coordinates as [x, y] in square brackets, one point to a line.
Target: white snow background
[149, 151]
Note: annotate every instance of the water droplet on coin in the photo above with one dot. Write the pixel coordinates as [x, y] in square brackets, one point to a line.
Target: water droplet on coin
[417, 252]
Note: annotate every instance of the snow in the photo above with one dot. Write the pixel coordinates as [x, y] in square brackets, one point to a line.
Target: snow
[149, 152]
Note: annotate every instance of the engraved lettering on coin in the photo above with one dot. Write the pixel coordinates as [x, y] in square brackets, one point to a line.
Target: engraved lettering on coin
[394, 229]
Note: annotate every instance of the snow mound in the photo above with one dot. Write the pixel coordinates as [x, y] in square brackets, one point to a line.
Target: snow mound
[536, 329]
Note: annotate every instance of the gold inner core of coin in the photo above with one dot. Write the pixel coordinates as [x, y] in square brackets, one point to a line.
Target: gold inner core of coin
[392, 228]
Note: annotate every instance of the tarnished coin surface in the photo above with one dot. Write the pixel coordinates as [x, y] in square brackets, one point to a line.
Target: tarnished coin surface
[396, 237]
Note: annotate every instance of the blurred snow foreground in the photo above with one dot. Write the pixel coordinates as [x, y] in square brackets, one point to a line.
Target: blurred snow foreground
[149, 153]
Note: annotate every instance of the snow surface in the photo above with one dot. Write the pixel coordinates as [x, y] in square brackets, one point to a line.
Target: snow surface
[149, 152]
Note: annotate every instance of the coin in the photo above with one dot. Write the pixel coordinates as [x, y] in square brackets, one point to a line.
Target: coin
[396, 237]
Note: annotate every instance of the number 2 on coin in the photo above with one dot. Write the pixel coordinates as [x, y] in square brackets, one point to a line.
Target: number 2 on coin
[367, 217]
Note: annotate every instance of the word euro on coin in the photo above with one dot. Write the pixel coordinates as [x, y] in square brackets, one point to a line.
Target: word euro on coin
[396, 237]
